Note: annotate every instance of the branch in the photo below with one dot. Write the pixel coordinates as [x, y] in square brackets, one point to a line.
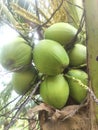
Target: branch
[13, 120]
[37, 10]
[9, 103]
[52, 15]
[70, 44]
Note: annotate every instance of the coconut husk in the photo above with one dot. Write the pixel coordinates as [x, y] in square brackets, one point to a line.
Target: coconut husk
[72, 117]
[76, 122]
[65, 120]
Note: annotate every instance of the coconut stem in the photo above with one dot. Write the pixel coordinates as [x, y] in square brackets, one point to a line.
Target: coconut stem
[84, 86]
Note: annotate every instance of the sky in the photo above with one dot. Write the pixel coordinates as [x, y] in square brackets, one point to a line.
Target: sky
[6, 34]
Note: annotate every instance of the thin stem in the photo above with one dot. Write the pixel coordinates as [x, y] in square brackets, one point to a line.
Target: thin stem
[9, 103]
[13, 120]
[52, 14]
[70, 45]
[84, 86]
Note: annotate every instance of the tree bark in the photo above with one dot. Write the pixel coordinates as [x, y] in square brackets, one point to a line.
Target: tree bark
[80, 121]
[91, 19]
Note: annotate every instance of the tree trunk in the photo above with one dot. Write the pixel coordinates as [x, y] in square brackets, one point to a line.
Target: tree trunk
[80, 121]
[91, 19]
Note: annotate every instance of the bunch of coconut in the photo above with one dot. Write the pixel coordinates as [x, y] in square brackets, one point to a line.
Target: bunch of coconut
[16, 57]
[63, 76]
[61, 67]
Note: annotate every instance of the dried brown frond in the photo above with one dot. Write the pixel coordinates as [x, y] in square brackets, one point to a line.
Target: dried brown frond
[24, 13]
[60, 15]
[45, 10]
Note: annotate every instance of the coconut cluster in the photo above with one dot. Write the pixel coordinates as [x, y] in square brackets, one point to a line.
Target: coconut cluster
[63, 76]
[16, 57]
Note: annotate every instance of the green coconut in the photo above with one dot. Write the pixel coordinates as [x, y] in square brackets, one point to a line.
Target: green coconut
[54, 91]
[50, 57]
[77, 91]
[24, 80]
[61, 32]
[77, 55]
[16, 54]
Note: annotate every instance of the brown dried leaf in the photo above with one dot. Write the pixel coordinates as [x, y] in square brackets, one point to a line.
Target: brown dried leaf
[69, 111]
[56, 114]
[65, 112]
[24, 13]
[40, 107]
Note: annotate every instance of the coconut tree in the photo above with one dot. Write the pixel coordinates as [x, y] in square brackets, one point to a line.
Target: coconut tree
[30, 19]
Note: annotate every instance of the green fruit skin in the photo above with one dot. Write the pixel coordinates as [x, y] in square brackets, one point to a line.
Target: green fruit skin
[15, 54]
[23, 81]
[61, 32]
[77, 92]
[54, 91]
[50, 57]
[77, 55]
